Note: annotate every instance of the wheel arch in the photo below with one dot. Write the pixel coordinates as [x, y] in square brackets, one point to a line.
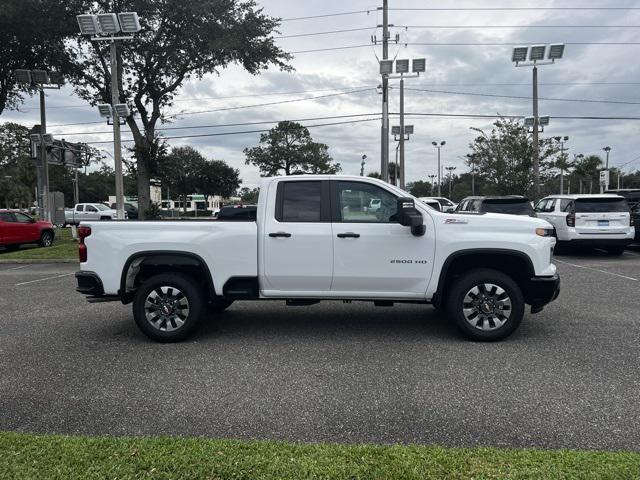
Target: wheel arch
[142, 265]
[516, 264]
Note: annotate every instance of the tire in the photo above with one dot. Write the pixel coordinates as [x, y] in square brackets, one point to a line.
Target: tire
[504, 305]
[46, 239]
[615, 251]
[182, 299]
[218, 305]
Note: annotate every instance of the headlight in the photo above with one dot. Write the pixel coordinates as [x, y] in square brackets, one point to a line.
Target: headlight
[544, 232]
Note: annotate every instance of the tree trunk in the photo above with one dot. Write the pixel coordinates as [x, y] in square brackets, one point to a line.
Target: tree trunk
[184, 204]
[143, 180]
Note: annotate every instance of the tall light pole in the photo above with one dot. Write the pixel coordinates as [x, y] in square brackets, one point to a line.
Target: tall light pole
[41, 79]
[607, 149]
[104, 27]
[450, 169]
[439, 146]
[364, 157]
[536, 57]
[384, 135]
[432, 177]
[563, 162]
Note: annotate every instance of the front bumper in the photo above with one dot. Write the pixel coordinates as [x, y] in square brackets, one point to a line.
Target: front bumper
[89, 283]
[540, 291]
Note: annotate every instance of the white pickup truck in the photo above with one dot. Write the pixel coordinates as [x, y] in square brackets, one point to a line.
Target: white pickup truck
[315, 238]
[89, 211]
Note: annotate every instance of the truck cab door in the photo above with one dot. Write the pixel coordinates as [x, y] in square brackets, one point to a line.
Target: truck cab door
[26, 229]
[91, 213]
[7, 228]
[375, 256]
[297, 249]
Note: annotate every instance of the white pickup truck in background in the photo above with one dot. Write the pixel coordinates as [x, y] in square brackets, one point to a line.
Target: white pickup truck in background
[83, 212]
[316, 238]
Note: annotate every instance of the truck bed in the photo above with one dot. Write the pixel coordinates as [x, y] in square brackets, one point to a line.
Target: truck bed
[228, 248]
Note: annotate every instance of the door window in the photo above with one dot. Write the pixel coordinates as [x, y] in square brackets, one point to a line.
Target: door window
[299, 202]
[366, 203]
[7, 217]
[91, 208]
[79, 208]
[22, 218]
[550, 206]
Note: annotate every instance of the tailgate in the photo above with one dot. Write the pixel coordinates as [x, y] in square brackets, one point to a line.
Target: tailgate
[609, 215]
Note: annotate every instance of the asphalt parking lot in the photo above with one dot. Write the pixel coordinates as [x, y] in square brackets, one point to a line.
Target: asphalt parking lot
[330, 372]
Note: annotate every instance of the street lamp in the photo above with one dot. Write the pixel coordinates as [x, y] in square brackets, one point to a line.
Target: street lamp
[607, 149]
[439, 146]
[450, 169]
[562, 140]
[41, 79]
[536, 57]
[104, 27]
[401, 134]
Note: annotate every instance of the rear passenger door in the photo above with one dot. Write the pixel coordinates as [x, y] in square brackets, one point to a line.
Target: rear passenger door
[297, 256]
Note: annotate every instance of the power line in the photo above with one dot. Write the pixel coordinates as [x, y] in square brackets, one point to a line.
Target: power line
[328, 32]
[220, 125]
[507, 26]
[522, 97]
[515, 117]
[493, 9]
[244, 131]
[339, 14]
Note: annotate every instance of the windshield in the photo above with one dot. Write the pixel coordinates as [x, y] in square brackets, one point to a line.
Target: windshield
[601, 205]
[99, 206]
[512, 207]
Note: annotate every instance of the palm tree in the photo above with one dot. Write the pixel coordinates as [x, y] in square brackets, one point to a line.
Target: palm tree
[588, 167]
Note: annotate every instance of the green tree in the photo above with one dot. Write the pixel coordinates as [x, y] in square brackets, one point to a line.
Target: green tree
[420, 188]
[180, 171]
[503, 157]
[217, 178]
[17, 172]
[32, 34]
[249, 195]
[179, 40]
[587, 172]
[288, 148]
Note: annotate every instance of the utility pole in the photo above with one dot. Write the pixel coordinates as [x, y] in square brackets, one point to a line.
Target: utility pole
[607, 149]
[401, 173]
[439, 146]
[536, 141]
[450, 169]
[562, 161]
[117, 148]
[384, 154]
[43, 157]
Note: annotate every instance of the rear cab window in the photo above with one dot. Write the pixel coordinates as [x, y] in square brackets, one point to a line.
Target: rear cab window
[302, 201]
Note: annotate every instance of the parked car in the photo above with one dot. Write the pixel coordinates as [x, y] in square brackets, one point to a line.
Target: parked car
[432, 202]
[509, 204]
[632, 197]
[238, 213]
[89, 211]
[305, 247]
[130, 209]
[602, 221]
[446, 205]
[374, 204]
[18, 228]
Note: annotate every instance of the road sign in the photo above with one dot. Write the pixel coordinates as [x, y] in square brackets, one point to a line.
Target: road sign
[604, 178]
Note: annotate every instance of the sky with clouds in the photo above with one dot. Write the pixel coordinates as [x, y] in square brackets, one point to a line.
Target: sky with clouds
[587, 72]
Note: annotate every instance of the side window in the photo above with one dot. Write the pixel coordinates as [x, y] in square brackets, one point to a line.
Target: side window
[474, 206]
[365, 203]
[6, 217]
[299, 201]
[550, 206]
[464, 206]
[22, 218]
[79, 207]
[541, 205]
[568, 207]
[91, 208]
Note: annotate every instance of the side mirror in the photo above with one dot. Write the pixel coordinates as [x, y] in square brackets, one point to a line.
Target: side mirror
[409, 216]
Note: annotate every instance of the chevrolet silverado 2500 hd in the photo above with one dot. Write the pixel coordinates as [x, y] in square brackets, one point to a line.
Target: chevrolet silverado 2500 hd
[316, 238]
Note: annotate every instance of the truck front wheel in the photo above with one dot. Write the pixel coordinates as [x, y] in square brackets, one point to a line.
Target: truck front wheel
[486, 305]
[168, 307]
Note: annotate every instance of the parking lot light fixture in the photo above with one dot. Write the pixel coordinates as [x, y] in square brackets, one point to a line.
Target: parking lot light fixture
[105, 110]
[536, 52]
[108, 23]
[129, 22]
[23, 76]
[88, 24]
[40, 77]
[519, 54]
[122, 110]
[556, 50]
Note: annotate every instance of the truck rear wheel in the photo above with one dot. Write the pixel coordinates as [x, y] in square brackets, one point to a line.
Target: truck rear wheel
[486, 305]
[168, 307]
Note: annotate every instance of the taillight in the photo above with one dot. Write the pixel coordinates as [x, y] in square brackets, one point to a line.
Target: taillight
[83, 232]
[571, 220]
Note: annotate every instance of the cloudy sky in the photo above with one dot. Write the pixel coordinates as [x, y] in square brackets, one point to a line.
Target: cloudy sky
[596, 67]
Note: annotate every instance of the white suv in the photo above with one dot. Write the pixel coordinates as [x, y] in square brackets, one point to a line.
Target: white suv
[602, 221]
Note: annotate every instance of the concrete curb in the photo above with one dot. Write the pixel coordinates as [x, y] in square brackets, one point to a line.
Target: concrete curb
[38, 260]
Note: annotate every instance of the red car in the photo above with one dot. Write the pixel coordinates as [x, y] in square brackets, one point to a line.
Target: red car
[17, 228]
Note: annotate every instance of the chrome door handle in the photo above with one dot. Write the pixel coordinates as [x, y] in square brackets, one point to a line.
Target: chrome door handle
[280, 234]
[349, 235]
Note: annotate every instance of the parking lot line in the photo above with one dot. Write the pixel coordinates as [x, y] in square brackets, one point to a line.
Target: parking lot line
[596, 270]
[43, 279]
[18, 268]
